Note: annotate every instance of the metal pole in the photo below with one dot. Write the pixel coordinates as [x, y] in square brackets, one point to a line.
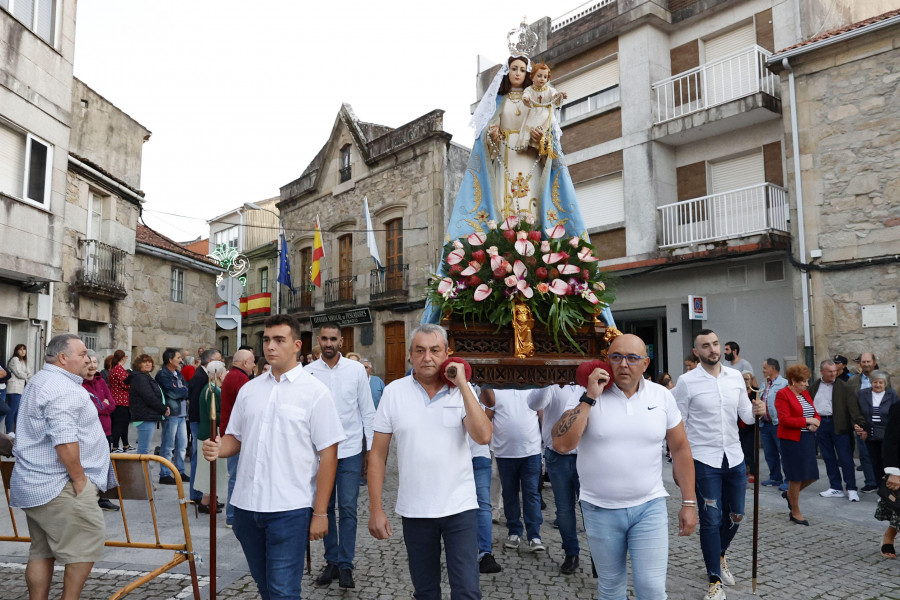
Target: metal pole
[278, 266]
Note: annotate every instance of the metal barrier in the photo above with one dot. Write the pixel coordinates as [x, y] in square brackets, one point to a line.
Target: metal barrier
[132, 471]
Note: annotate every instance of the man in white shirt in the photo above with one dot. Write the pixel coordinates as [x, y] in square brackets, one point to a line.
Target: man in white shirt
[710, 399]
[436, 496]
[349, 384]
[517, 448]
[287, 429]
[554, 401]
[619, 430]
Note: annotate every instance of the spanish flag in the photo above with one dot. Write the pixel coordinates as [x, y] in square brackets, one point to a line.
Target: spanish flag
[317, 256]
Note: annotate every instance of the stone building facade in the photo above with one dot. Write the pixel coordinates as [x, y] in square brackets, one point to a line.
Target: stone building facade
[410, 176]
[846, 107]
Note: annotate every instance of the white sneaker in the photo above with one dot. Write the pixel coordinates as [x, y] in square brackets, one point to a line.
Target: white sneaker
[716, 592]
[535, 545]
[512, 542]
[727, 577]
[854, 497]
[832, 493]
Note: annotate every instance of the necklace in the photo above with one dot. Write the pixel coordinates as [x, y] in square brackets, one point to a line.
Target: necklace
[515, 97]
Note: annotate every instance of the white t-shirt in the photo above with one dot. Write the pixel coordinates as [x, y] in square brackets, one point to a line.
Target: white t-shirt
[433, 457]
[478, 450]
[282, 426]
[517, 433]
[620, 454]
[554, 401]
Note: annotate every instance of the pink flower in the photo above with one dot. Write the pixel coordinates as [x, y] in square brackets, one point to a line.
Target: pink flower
[574, 242]
[482, 292]
[555, 233]
[589, 296]
[493, 251]
[508, 267]
[559, 287]
[473, 281]
[554, 257]
[524, 247]
[477, 238]
[480, 256]
[521, 271]
[543, 287]
[511, 281]
[534, 235]
[510, 222]
[599, 286]
[446, 285]
[565, 269]
[455, 269]
[499, 272]
[541, 273]
[529, 218]
[584, 255]
[457, 244]
[455, 257]
[509, 235]
[521, 235]
[496, 262]
[492, 224]
[545, 247]
[473, 268]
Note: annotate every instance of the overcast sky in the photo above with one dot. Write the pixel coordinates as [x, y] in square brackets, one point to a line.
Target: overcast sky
[241, 95]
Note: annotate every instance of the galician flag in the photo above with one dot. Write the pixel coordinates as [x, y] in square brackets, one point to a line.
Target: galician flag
[317, 256]
[370, 235]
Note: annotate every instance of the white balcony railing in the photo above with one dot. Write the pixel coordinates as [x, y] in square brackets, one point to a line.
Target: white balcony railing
[741, 74]
[737, 213]
[576, 13]
[589, 104]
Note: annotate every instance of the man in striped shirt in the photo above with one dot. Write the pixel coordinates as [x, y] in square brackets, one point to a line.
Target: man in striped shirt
[62, 465]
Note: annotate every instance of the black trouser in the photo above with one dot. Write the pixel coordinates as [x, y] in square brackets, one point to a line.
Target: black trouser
[121, 417]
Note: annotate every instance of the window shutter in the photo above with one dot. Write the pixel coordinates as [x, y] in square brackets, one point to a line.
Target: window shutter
[728, 43]
[602, 201]
[591, 81]
[12, 161]
[736, 173]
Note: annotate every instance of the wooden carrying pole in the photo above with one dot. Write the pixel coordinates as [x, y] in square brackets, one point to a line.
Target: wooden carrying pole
[755, 498]
[213, 503]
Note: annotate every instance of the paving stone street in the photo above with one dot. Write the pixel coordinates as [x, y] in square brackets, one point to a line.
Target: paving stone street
[835, 558]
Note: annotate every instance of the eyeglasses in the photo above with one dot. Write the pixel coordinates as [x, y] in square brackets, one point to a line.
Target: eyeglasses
[631, 359]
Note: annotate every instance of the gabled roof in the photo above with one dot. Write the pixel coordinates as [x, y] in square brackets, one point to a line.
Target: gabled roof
[837, 35]
[150, 237]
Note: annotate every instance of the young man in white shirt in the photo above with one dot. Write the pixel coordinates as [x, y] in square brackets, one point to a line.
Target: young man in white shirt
[349, 384]
[287, 429]
[619, 430]
[436, 496]
[710, 399]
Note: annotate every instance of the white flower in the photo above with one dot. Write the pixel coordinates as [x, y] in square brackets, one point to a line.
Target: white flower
[493, 251]
[457, 244]
[545, 247]
[492, 224]
[529, 218]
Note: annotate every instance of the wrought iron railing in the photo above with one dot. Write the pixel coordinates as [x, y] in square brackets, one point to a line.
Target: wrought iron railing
[102, 267]
[737, 213]
[299, 301]
[741, 74]
[345, 174]
[339, 292]
[388, 282]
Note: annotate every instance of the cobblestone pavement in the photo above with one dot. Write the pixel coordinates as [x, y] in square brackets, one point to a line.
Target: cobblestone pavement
[835, 558]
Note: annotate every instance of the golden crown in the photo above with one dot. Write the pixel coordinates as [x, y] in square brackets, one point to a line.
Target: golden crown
[522, 40]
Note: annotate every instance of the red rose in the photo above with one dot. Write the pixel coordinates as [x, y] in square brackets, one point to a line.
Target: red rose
[554, 273]
[473, 281]
[586, 274]
[565, 256]
[541, 273]
[455, 269]
[534, 235]
[480, 256]
[531, 261]
[499, 272]
[571, 290]
[509, 234]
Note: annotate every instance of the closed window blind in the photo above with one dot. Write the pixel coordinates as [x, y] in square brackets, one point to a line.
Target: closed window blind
[602, 200]
[728, 43]
[591, 81]
[736, 173]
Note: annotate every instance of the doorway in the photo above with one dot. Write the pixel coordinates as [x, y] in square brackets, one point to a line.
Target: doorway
[394, 351]
[649, 324]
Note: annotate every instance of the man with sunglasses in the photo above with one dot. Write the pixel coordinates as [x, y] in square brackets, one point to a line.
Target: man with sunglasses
[710, 399]
[619, 430]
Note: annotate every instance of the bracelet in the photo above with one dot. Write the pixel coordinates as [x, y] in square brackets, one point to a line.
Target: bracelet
[326, 516]
[689, 503]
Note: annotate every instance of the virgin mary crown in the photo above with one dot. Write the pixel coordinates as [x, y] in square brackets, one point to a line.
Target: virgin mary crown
[522, 41]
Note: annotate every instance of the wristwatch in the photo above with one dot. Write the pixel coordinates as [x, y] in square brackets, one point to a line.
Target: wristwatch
[587, 399]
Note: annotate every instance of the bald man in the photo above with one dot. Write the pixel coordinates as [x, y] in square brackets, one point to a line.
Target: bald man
[619, 429]
[241, 369]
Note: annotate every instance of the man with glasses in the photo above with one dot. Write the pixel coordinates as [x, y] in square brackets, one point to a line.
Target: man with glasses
[710, 399]
[619, 430]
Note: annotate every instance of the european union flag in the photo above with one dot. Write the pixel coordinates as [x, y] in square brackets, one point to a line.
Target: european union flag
[284, 276]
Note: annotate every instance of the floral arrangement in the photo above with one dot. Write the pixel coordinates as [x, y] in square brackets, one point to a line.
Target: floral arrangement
[486, 273]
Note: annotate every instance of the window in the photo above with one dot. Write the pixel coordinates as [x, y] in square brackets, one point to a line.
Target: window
[25, 165]
[602, 200]
[223, 346]
[394, 257]
[774, 271]
[345, 260]
[37, 15]
[228, 237]
[243, 339]
[590, 89]
[345, 163]
[177, 293]
[94, 216]
[264, 280]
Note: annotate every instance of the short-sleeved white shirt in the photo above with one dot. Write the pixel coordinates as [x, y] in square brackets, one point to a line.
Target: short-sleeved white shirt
[517, 433]
[349, 386]
[620, 454]
[282, 426]
[433, 456]
[554, 401]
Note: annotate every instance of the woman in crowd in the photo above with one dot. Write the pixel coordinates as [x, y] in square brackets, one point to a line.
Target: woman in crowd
[103, 402]
[121, 416]
[19, 374]
[747, 432]
[876, 405]
[107, 365]
[665, 380]
[797, 423]
[146, 401]
[211, 392]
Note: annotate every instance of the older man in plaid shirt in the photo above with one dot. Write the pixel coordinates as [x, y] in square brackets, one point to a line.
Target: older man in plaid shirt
[62, 464]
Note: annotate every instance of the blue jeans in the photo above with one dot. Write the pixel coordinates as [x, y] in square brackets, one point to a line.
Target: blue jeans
[864, 459]
[720, 491]
[564, 480]
[340, 543]
[173, 445]
[274, 545]
[768, 438]
[521, 474]
[835, 450]
[145, 436]
[232, 462]
[481, 467]
[12, 400]
[641, 531]
[423, 547]
[195, 495]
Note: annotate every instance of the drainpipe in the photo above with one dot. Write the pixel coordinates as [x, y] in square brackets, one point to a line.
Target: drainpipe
[801, 224]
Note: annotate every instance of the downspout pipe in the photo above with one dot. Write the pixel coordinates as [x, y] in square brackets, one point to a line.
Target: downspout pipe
[801, 223]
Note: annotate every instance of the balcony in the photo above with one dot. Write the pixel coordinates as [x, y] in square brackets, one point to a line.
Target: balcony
[339, 292]
[389, 286]
[300, 301]
[102, 272]
[738, 213]
[589, 105]
[738, 85]
[345, 173]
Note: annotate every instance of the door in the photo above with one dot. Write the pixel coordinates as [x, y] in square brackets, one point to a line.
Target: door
[738, 208]
[394, 351]
[345, 256]
[347, 334]
[731, 70]
[394, 237]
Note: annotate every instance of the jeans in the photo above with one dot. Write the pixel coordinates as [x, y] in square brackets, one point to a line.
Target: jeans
[173, 445]
[340, 542]
[195, 495]
[835, 450]
[423, 547]
[864, 459]
[274, 545]
[521, 474]
[768, 438]
[145, 436]
[641, 531]
[564, 480]
[12, 400]
[481, 467]
[746, 435]
[720, 491]
[232, 462]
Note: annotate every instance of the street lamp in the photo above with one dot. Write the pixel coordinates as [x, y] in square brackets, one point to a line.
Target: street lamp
[254, 206]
